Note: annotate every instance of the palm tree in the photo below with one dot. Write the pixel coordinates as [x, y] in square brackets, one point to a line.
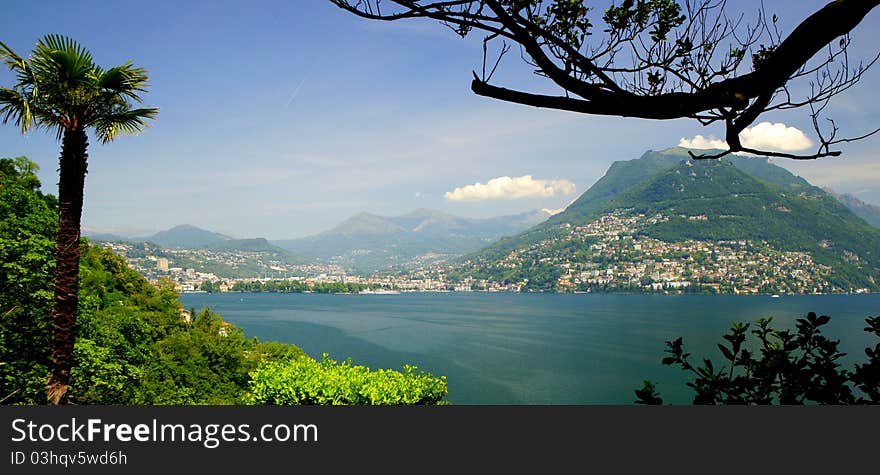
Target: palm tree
[60, 88]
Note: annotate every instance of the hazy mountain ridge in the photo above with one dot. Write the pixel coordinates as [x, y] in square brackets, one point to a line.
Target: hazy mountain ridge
[867, 211]
[370, 242]
[365, 241]
[185, 236]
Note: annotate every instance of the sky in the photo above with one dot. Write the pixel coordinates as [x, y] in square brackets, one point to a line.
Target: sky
[280, 119]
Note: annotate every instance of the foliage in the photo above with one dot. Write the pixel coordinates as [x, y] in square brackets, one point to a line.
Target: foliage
[307, 381]
[299, 286]
[788, 367]
[27, 232]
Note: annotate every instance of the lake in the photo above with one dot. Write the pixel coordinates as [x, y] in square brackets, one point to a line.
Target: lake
[506, 348]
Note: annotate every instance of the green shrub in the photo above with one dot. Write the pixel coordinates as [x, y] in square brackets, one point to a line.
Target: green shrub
[307, 381]
[782, 367]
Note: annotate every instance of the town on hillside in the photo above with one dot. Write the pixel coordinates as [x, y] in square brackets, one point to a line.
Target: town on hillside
[608, 254]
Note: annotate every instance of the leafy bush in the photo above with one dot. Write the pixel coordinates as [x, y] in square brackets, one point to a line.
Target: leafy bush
[789, 368]
[28, 221]
[307, 381]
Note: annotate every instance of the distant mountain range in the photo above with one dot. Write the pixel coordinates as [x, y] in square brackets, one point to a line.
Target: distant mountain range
[189, 237]
[186, 236]
[736, 198]
[365, 242]
[866, 211]
[836, 229]
[369, 242]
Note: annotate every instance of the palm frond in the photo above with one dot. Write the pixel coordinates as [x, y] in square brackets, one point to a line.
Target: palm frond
[10, 58]
[65, 67]
[19, 65]
[63, 43]
[16, 108]
[124, 80]
[125, 122]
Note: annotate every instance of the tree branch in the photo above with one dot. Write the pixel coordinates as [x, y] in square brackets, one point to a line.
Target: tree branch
[671, 79]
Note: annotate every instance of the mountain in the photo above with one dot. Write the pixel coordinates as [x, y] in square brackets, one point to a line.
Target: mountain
[742, 208]
[364, 224]
[369, 242]
[185, 236]
[258, 245]
[107, 237]
[250, 245]
[866, 211]
[623, 175]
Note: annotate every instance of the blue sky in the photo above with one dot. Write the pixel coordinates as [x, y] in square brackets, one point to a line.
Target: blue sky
[282, 118]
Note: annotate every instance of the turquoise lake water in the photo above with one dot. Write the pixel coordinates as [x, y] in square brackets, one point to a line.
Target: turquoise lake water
[502, 348]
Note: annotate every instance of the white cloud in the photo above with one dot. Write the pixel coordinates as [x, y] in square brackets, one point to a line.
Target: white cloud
[774, 137]
[505, 187]
[700, 142]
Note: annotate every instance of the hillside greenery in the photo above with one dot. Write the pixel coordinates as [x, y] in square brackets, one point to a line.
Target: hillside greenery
[738, 206]
[135, 343]
[328, 382]
[742, 198]
[776, 366]
[290, 286]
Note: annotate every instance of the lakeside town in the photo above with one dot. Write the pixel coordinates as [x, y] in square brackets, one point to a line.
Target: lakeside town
[609, 254]
[230, 270]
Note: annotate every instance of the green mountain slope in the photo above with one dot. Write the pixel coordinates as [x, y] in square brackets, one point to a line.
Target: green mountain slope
[738, 206]
[185, 236]
[259, 245]
[781, 222]
[621, 175]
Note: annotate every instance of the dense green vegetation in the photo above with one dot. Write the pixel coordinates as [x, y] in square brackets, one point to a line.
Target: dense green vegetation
[135, 344]
[782, 367]
[298, 286]
[27, 241]
[306, 381]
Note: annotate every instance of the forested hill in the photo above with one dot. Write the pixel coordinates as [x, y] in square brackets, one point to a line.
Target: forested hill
[185, 236]
[733, 199]
[737, 206]
[623, 175]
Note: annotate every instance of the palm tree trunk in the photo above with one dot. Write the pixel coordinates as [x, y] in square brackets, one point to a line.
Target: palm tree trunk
[71, 184]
